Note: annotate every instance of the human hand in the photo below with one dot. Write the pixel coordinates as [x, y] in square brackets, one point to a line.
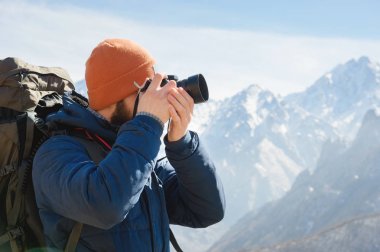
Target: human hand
[154, 99]
[181, 106]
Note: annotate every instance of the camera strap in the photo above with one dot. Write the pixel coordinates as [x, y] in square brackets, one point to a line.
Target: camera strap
[137, 98]
[172, 238]
[136, 104]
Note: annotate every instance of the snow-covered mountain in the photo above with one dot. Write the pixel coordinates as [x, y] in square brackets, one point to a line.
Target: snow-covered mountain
[343, 95]
[343, 188]
[255, 141]
[259, 145]
[260, 142]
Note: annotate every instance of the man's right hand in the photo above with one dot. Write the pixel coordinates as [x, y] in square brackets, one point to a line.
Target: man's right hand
[154, 99]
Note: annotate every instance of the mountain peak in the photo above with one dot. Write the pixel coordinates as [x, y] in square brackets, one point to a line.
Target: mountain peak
[361, 65]
[364, 60]
[361, 61]
[368, 62]
[343, 91]
[370, 128]
[254, 96]
[372, 115]
[252, 89]
[349, 79]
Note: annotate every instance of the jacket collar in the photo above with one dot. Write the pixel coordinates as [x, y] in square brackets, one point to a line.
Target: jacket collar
[75, 115]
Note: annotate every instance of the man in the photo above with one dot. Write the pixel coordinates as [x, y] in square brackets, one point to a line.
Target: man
[127, 198]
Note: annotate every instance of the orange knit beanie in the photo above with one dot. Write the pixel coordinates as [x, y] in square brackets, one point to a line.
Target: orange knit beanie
[111, 70]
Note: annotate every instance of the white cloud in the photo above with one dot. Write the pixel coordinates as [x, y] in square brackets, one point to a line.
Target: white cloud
[230, 60]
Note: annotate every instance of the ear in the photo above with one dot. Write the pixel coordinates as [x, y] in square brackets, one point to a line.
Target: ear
[107, 112]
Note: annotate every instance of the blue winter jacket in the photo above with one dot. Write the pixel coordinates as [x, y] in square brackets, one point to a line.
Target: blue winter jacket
[107, 197]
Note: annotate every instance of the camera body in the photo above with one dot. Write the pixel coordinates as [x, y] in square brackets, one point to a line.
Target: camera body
[194, 85]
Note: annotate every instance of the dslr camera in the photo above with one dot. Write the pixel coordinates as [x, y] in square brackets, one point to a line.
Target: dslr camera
[194, 85]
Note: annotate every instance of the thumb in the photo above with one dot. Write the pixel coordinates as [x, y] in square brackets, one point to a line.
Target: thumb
[157, 79]
[171, 84]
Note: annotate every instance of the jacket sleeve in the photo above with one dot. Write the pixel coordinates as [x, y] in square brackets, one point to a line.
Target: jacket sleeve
[70, 184]
[193, 191]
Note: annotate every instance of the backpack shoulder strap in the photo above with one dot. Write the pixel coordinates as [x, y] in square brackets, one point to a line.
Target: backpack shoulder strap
[93, 151]
[73, 240]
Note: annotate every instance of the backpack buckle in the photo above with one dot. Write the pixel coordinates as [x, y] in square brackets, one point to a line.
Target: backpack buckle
[59, 132]
[7, 169]
[14, 233]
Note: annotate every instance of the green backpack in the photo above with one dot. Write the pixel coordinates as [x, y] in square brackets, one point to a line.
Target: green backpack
[27, 94]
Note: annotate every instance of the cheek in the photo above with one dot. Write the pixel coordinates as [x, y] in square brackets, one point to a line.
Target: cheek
[128, 111]
[129, 105]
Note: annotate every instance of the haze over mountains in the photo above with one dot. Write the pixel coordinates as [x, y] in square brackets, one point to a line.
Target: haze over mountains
[341, 195]
[360, 234]
[261, 142]
[343, 96]
[264, 141]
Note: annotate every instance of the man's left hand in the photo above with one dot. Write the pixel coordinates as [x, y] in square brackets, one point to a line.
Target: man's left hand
[181, 106]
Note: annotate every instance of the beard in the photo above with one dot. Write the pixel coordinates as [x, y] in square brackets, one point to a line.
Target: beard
[121, 114]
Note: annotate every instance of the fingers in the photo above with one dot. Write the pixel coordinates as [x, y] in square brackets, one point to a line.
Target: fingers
[180, 98]
[170, 85]
[181, 106]
[174, 115]
[156, 81]
[181, 109]
[189, 99]
[183, 98]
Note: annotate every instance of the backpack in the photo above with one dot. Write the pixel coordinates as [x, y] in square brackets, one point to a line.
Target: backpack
[27, 94]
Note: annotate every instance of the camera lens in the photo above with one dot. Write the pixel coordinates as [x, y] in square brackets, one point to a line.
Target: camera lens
[196, 87]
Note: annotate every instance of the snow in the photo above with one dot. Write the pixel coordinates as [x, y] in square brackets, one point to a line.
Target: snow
[282, 129]
[328, 76]
[349, 119]
[271, 159]
[376, 111]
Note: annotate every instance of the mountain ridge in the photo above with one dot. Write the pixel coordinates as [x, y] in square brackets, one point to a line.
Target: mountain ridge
[311, 242]
[341, 188]
[343, 95]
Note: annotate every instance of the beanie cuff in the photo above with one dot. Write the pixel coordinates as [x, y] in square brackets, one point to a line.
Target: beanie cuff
[116, 89]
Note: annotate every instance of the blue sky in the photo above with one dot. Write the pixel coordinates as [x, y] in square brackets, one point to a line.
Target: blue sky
[333, 18]
[283, 46]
